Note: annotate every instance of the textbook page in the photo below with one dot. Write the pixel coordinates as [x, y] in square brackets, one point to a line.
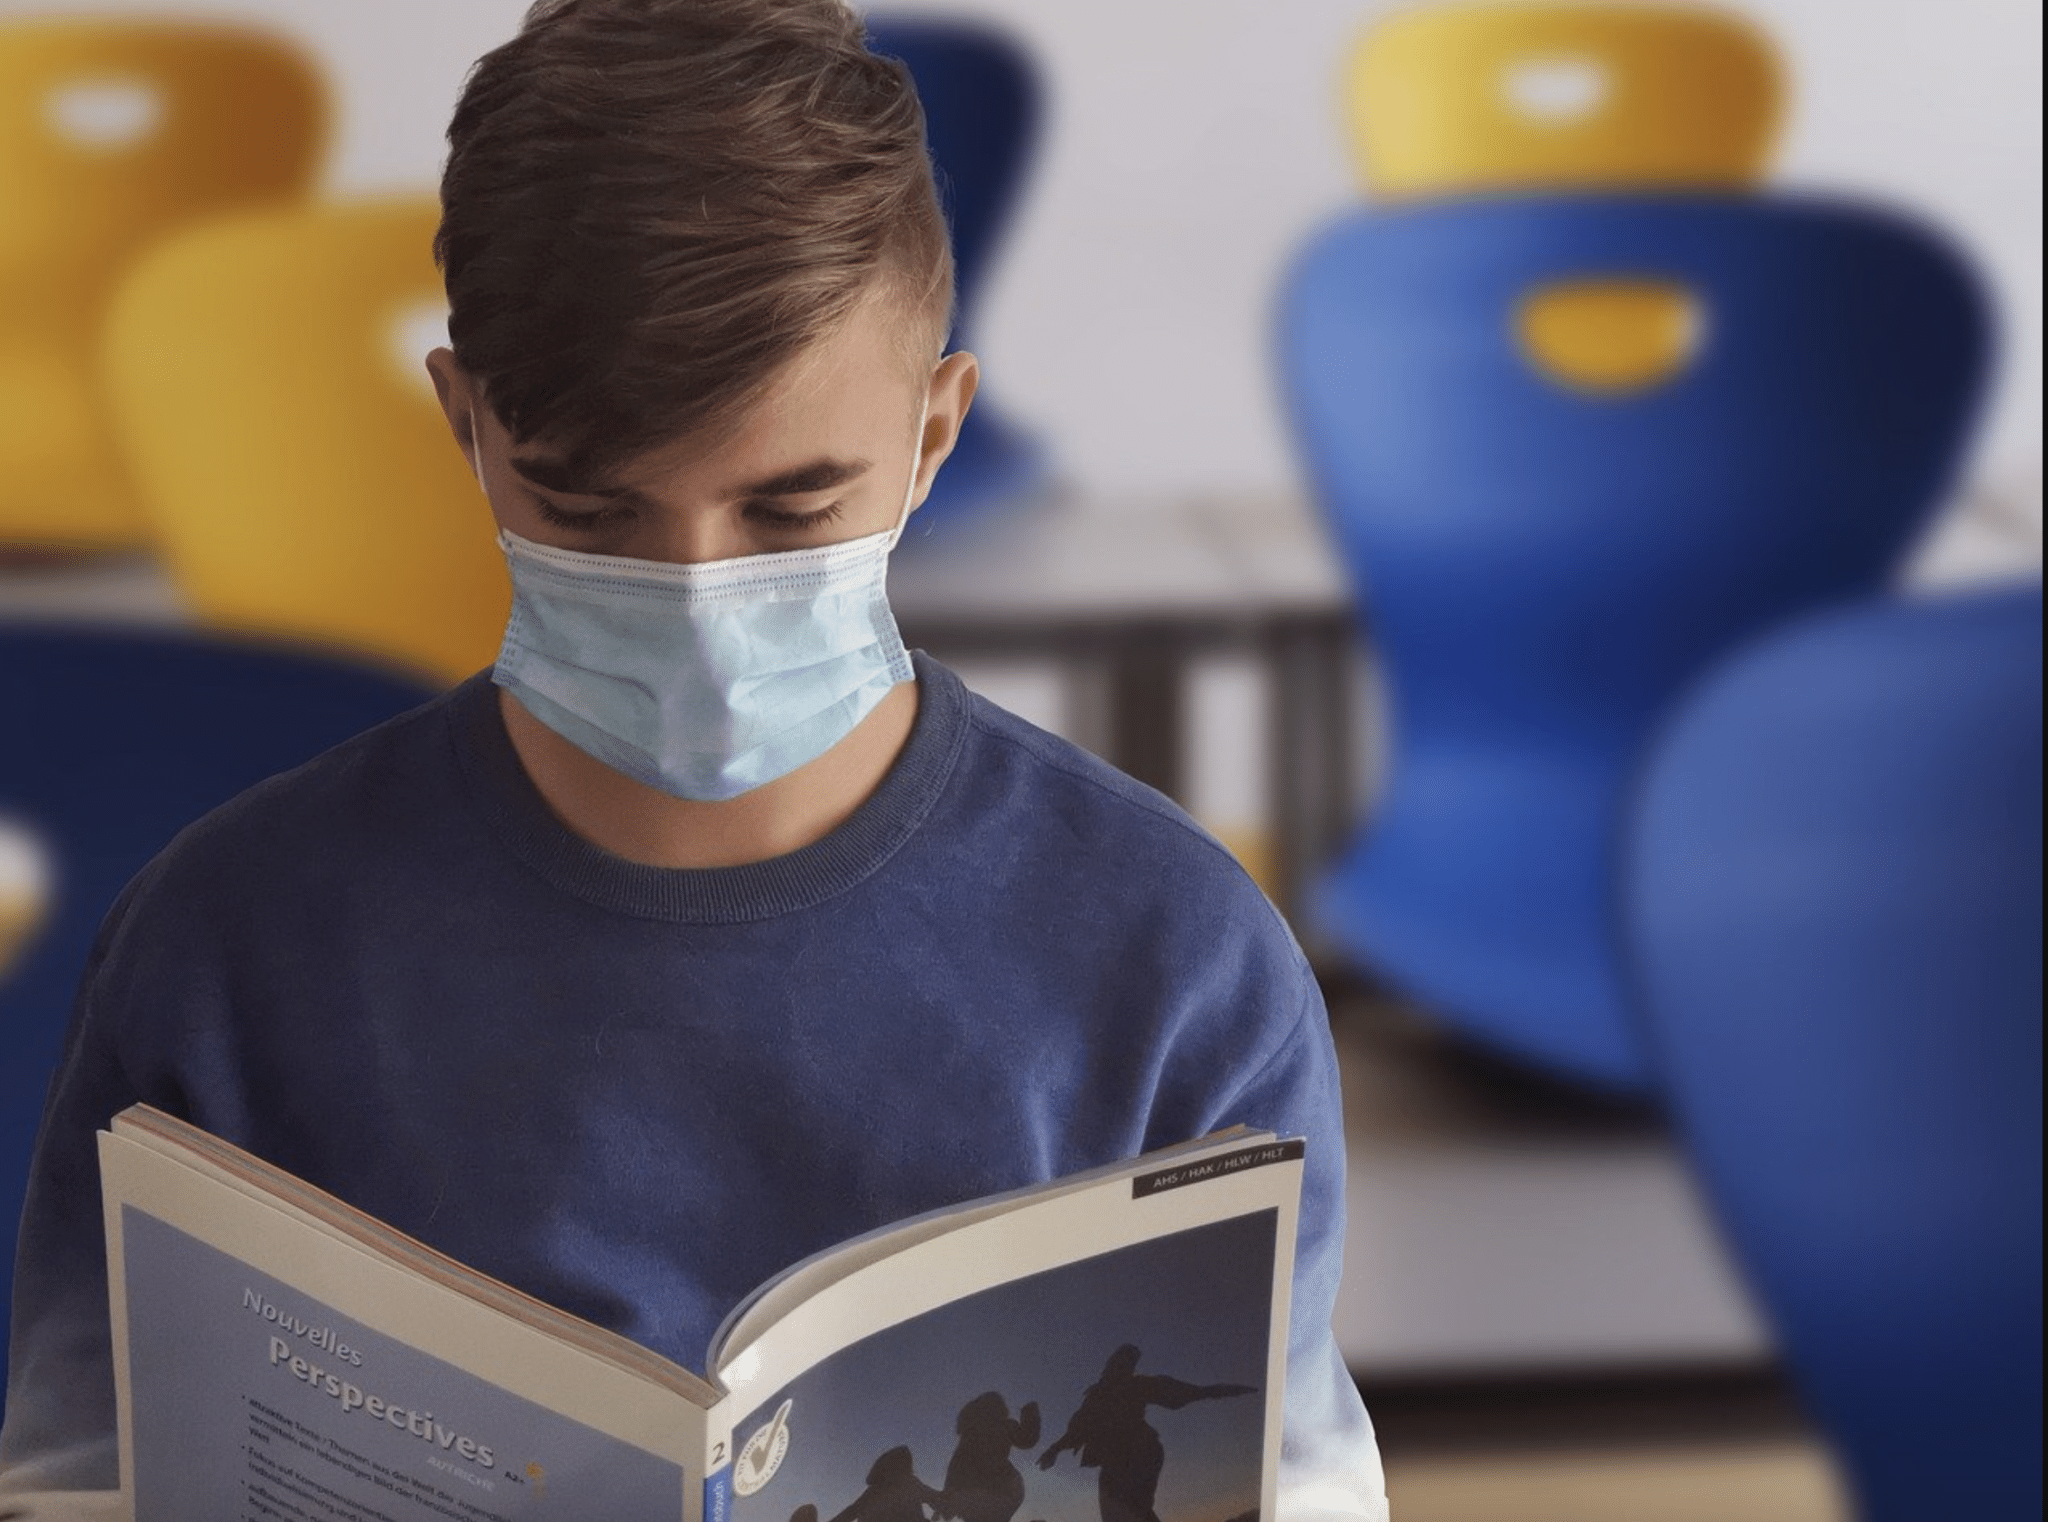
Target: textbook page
[775, 1298]
[1123, 1339]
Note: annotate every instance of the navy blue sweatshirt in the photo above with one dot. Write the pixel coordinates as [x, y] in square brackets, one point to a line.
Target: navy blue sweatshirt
[637, 1092]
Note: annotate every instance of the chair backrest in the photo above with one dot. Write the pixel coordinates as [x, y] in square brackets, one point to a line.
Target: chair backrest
[111, 133]
[1445, 99]
[1545, 558]
[982, 111]
[1789, 459]
[115, 741]
[982, 114]
[265, 373]
[1835, 898]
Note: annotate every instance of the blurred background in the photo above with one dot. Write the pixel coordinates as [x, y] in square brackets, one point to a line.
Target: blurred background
[1555, 488]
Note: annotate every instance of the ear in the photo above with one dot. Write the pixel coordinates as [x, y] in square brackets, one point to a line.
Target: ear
[953, 385]
[459, 400]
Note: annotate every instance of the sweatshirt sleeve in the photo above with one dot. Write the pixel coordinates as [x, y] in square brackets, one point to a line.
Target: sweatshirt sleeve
[59, 1436]
[1330, 1463]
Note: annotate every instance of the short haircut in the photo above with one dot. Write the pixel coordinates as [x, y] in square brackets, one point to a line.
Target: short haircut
[651, 206]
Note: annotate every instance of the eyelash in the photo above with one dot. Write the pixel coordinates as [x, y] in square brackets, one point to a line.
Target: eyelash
[561, 519]
[761, 512]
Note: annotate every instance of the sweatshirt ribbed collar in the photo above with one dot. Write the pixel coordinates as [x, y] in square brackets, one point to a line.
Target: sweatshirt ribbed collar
[716, 895]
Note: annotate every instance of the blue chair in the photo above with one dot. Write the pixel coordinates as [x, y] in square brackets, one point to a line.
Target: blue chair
[114, 740]
[1835, 901]
[982, 110]
[1543, 565]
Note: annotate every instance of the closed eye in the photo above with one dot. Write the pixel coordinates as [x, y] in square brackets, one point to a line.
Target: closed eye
[562, 517]
[781, 517]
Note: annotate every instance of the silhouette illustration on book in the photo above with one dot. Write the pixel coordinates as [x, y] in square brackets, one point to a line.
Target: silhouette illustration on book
[1109, 1433]
[982, 1485]
[894, 1494]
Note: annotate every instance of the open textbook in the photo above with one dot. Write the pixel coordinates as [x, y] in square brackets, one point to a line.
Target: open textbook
[1111, 1339]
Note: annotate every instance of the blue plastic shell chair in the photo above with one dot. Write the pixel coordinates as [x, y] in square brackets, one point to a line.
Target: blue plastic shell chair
[1543, 566]
[1836, 904]
[112, 742]
[982, 111]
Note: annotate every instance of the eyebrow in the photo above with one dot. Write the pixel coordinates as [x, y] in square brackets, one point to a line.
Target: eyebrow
[819, 475]
[801, 480]
[558, 477]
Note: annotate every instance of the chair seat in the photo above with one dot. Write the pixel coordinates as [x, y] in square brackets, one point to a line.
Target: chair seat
[1474, 891]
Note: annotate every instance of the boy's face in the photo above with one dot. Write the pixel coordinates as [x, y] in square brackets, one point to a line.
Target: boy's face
[827, 455]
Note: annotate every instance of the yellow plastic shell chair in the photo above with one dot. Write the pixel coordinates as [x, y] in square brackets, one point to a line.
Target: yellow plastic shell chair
[265, 373]
[1454, 99]
[111, 133]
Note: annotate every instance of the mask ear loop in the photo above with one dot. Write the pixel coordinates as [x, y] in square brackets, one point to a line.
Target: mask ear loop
[924, 413]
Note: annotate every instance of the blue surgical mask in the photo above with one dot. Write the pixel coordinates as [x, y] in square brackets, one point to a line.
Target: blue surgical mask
[708, 680]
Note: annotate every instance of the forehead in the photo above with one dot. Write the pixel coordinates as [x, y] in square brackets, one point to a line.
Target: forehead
[852, 395]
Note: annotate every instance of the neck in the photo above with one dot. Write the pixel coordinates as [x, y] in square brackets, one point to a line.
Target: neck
[645, 825]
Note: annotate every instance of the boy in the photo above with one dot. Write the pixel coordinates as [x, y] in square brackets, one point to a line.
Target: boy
[708, 916]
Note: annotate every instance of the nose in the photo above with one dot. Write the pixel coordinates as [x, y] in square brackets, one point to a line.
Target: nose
[691, 535]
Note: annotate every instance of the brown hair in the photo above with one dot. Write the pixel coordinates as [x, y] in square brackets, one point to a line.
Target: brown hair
[650, 206]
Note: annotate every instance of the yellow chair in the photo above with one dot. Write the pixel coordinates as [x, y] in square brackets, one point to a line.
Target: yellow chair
[112, 132]
[1460, 98]
[265, 374]
[26, 889]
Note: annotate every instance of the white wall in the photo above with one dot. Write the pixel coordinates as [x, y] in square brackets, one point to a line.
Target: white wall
[1193, 143]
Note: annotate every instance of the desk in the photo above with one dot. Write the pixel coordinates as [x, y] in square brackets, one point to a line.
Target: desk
[1125, 599]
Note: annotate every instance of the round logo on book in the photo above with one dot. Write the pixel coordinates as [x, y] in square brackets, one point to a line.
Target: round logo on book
[763, 1453]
